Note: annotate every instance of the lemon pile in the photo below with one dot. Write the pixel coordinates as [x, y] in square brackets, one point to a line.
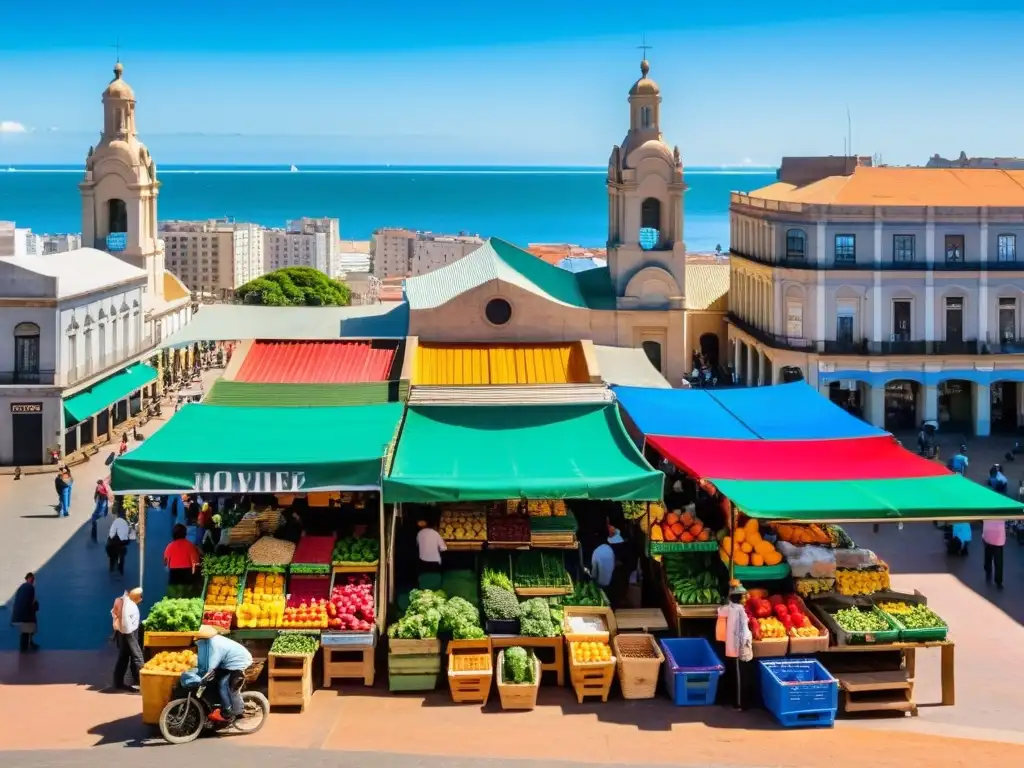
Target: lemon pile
[263, 603]
[222, 594]
[174, 662]
[590, 652]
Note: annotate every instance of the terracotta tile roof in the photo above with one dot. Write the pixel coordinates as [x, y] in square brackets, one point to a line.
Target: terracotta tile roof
[315, 362]
[706, 283]
[938, 187]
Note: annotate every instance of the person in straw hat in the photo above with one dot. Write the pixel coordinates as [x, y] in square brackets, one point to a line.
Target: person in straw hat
[228, 661]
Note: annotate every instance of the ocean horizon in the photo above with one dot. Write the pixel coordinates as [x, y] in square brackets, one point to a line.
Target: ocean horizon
[521, 204]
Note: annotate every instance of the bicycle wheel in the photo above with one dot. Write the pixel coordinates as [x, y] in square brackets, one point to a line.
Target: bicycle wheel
[182, 721]
[255, 714]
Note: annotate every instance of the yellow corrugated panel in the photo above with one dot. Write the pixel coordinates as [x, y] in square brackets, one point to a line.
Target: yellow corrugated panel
[483, 364]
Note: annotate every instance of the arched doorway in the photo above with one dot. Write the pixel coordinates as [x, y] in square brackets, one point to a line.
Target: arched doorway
[709, 348]
[653, 351]
[1004, 409]
[117, 216]
[955, 406]
[901, 405]
[849, 395]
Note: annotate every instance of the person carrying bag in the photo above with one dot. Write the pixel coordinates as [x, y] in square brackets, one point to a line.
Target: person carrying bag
[117, 542]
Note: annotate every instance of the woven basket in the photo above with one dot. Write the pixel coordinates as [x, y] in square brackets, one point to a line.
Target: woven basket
[638, 677]
[254, 671]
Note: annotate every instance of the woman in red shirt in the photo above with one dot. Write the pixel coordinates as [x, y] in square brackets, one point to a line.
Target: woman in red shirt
[182, 558]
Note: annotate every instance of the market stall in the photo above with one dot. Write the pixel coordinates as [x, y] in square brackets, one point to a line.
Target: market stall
[505, 484]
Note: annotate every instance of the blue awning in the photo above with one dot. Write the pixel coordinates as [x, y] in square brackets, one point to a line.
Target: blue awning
[680, 413]
[792, 411]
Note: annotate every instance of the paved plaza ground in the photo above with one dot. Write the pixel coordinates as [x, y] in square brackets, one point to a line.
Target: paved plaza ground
[53, 706]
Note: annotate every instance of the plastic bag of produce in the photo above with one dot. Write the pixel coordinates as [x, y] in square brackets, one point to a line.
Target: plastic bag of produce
[855, 559]
[809, 561]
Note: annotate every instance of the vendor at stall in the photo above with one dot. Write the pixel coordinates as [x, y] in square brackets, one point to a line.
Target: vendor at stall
[182, 558]
[733, 630]
[430, 546]
[603, 567]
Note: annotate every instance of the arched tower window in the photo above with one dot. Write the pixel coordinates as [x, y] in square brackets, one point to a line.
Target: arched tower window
[650, 223]
[117, 216]
[796, 244]
[646, 117]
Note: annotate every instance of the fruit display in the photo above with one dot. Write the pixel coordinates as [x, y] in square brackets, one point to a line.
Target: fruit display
[313, 550]
[351, 606]
[222, 619]
[855, 619]
[539, 569]
[175, 615]
[263, 602]
[778, 617]
[590, 652]
[508, 528]
[463, 524]
[295, 643]
[812, 533]
[750, 548]
[234, 564]
[353, 550]
[675, 527]
[913, 616]
[172, 662]
[306, 615]
[861, 582]
[222, 594]
[808, 587]
[693, 578]
[542, 508]
[271, 551]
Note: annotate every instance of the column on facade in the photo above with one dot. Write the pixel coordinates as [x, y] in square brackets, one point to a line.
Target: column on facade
[930, 403]
[760, 368]
[875, 411]
[737, 350]
[982, 409]
[751, 365]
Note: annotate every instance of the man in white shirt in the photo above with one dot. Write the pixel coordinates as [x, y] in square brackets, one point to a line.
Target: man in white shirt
[117, 542]
[430, 545]
[126, 620]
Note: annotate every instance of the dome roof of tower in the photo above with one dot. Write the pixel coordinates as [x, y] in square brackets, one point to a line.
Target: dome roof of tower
[118, 88]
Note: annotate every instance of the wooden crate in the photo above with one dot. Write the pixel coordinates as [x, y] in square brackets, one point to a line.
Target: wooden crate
[426, 664]
[639, 661]
[168, 640]
[156, 689]
[290, 679]
[348, 663]
[810, 644]
[470, 670]
[398, 647]
[605, 614]
[549, 645]
[521, 696]
[592, 679]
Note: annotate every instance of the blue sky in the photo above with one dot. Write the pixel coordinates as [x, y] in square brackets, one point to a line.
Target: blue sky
[529, 82]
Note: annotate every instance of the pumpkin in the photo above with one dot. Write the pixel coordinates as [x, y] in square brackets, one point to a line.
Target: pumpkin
[686, 519]
[678, 529]
[745, 548]
[668, 533]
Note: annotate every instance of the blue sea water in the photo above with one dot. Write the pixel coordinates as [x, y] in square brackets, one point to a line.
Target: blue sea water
[522, 205]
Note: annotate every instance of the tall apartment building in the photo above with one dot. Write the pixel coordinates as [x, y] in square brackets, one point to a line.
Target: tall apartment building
[61, 243]
[215, 256]
[305, 242]
[405, 253]
[899, 292]
[17, 241]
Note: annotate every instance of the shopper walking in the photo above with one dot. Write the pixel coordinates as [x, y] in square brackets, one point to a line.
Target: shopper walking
[993, 534]
[117, 542]
[23, 615]
[125, 617]
[63, 484]
[101, 498]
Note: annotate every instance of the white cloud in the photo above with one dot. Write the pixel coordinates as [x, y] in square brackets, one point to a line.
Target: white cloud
[10, 126]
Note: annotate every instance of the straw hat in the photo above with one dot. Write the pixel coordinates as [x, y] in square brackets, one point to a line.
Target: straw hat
[207, 632]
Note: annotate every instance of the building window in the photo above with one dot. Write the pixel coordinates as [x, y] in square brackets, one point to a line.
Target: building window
[955, 319]
[794, 319]
[645, 122]
[650, 223]
[117, 216]
[1007, 248]
[1008, 319]
[796, 244]
[26, 349]
[102, 357]
[498, 311]
[846, 320]
[846, 249]
[902, 249]
[901, 314]
[954, 249]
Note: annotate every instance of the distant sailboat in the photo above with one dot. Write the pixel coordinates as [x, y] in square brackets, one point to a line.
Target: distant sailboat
[294, 169]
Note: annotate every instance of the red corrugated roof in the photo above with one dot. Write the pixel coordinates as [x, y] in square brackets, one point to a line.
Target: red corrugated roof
[315, 362]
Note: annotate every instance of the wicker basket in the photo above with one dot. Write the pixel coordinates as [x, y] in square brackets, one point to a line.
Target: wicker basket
[517, 696]
[639, 661]
[252, 674]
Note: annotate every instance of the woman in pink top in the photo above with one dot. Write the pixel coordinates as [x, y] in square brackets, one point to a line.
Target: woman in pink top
[993, 533]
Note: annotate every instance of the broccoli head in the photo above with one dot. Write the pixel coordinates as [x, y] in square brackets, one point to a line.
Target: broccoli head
[519, 666]
[536, 619]
[500, 603]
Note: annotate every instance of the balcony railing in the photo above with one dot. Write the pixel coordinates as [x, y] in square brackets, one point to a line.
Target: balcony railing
[865, 264]
[45, 378]
[877, 348]
[109, 362]
[773, 340]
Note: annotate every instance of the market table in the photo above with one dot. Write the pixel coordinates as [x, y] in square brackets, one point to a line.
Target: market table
[640, 620]
[947, 649]
[555, 643]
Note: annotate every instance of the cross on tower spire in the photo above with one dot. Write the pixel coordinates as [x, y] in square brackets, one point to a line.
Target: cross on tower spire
[645, 47]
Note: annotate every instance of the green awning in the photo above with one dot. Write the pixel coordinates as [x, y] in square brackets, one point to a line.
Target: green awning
[483, 453]
[88, 402]
[226, 449]
[945, 497]
[259, 394]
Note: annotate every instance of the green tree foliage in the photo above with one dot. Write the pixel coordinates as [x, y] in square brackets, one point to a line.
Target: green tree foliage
[294, 287]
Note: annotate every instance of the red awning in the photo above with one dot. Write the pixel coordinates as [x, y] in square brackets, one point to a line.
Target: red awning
[867, 458]
[315, 362]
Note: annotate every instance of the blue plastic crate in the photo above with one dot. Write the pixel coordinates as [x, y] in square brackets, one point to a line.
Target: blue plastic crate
[692, 669]
[799, 692]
